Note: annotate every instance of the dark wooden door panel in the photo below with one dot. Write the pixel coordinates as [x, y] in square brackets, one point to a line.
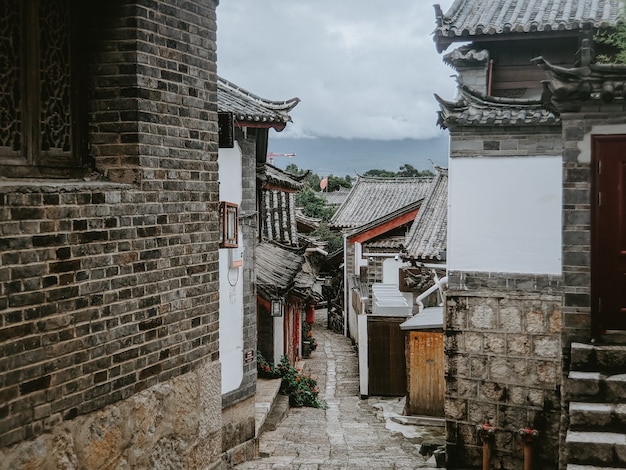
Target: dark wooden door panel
[608, 255]
[386, 360]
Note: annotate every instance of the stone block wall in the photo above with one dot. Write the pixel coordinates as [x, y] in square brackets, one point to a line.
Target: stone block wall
[109, 287]
[503, 364]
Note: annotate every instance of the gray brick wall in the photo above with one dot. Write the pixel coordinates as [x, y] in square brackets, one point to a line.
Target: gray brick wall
[577, 216]
[477, 141]
[110, 287]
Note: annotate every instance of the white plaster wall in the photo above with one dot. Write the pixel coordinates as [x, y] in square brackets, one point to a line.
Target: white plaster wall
[391, 275]
[505, 214]
[363, 356]
[279, 338]
[358, 258]
[231, 284]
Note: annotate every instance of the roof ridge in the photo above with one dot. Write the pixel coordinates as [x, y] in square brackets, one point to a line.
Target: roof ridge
[284, 105]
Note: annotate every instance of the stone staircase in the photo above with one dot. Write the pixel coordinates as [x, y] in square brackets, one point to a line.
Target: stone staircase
[596, 390]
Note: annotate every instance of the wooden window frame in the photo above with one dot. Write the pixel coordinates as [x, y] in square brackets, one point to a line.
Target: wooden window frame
[31, 160]
[229, 225]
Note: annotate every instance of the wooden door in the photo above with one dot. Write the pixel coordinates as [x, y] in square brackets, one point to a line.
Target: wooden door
[386, 360]
[426, 373]
[608, 235]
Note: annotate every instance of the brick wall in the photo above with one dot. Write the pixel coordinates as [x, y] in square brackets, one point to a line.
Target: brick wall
[110, 287]
[577, 128]
[503, 363]
[505, 141]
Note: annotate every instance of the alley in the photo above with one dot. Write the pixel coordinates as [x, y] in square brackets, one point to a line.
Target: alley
[350, 433]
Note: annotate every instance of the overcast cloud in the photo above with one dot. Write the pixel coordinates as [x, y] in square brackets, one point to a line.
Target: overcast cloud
[362, 68]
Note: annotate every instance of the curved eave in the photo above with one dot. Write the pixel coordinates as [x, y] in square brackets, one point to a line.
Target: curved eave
[513, 19]
[568, 88]
[474, 109]
[278, 126]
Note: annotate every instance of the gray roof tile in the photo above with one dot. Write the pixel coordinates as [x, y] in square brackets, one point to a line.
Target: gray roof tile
[428, 235]
[251, 109]
[271, 175]
[475, 109]
[467, 19]
[373, 198]
[276, 268]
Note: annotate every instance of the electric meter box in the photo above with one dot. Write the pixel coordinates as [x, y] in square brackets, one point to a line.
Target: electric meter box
[235, 258]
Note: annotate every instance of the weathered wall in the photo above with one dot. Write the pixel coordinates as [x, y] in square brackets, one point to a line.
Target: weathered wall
[577, 131]
[503, 328]
[594, 118]
[503, 364]
[171, 425]
[109, 289]
[238, 439]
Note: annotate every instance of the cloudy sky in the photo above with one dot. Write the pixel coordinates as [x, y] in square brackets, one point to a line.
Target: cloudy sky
[363, 69]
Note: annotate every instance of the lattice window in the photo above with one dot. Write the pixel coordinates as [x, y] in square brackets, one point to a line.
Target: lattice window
[38, 112]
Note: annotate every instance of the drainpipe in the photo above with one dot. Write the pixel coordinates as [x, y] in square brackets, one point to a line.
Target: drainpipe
[438, 285]
[528, 435]
[486, 432]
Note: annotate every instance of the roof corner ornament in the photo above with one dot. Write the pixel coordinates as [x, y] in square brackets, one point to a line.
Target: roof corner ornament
[438, 15]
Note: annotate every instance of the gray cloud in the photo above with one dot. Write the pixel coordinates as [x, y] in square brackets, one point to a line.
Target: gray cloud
[363, 69]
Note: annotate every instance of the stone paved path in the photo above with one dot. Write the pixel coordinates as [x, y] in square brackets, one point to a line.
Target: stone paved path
[351, 433]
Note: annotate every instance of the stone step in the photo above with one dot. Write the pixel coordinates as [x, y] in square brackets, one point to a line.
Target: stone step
[596, 387]
[591, 467]
[606, 449]
[594, 416]
[598, 357]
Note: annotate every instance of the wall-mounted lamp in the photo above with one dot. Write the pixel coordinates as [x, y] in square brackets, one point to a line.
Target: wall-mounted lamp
[277, 307]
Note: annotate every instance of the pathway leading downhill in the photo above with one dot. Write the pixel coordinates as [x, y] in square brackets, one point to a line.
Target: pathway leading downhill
[350, 433]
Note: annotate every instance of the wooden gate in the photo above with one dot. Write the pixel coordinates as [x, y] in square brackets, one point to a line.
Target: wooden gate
[425, 363]
[608, 236]
[386, 361]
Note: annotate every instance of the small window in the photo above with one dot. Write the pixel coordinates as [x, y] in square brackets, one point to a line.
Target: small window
[230, 225]
[41, 117]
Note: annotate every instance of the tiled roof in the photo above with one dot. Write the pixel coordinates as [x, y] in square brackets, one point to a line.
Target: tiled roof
[250, 109]
[387, 243]
[428, 235]
[335, 198]
[276, 268]
[475, 109]
[567, 88]
[372, 198]
[269, 174]
[468, 19]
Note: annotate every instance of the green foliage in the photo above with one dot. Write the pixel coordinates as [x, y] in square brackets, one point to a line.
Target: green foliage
[312, 180]
[380, 173]
[302, 389]
[335, 183]
[266, 369]
[615, 40]
[334, 240]
[405, 171]
[313, 205]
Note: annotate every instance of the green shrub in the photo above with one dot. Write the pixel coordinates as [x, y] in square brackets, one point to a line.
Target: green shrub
[301, 389]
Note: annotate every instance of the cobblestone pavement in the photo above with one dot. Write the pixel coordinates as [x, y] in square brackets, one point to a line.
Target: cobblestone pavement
[350, 433]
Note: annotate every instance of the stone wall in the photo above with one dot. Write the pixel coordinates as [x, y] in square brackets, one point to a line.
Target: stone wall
[109, 287]
[503, 364]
